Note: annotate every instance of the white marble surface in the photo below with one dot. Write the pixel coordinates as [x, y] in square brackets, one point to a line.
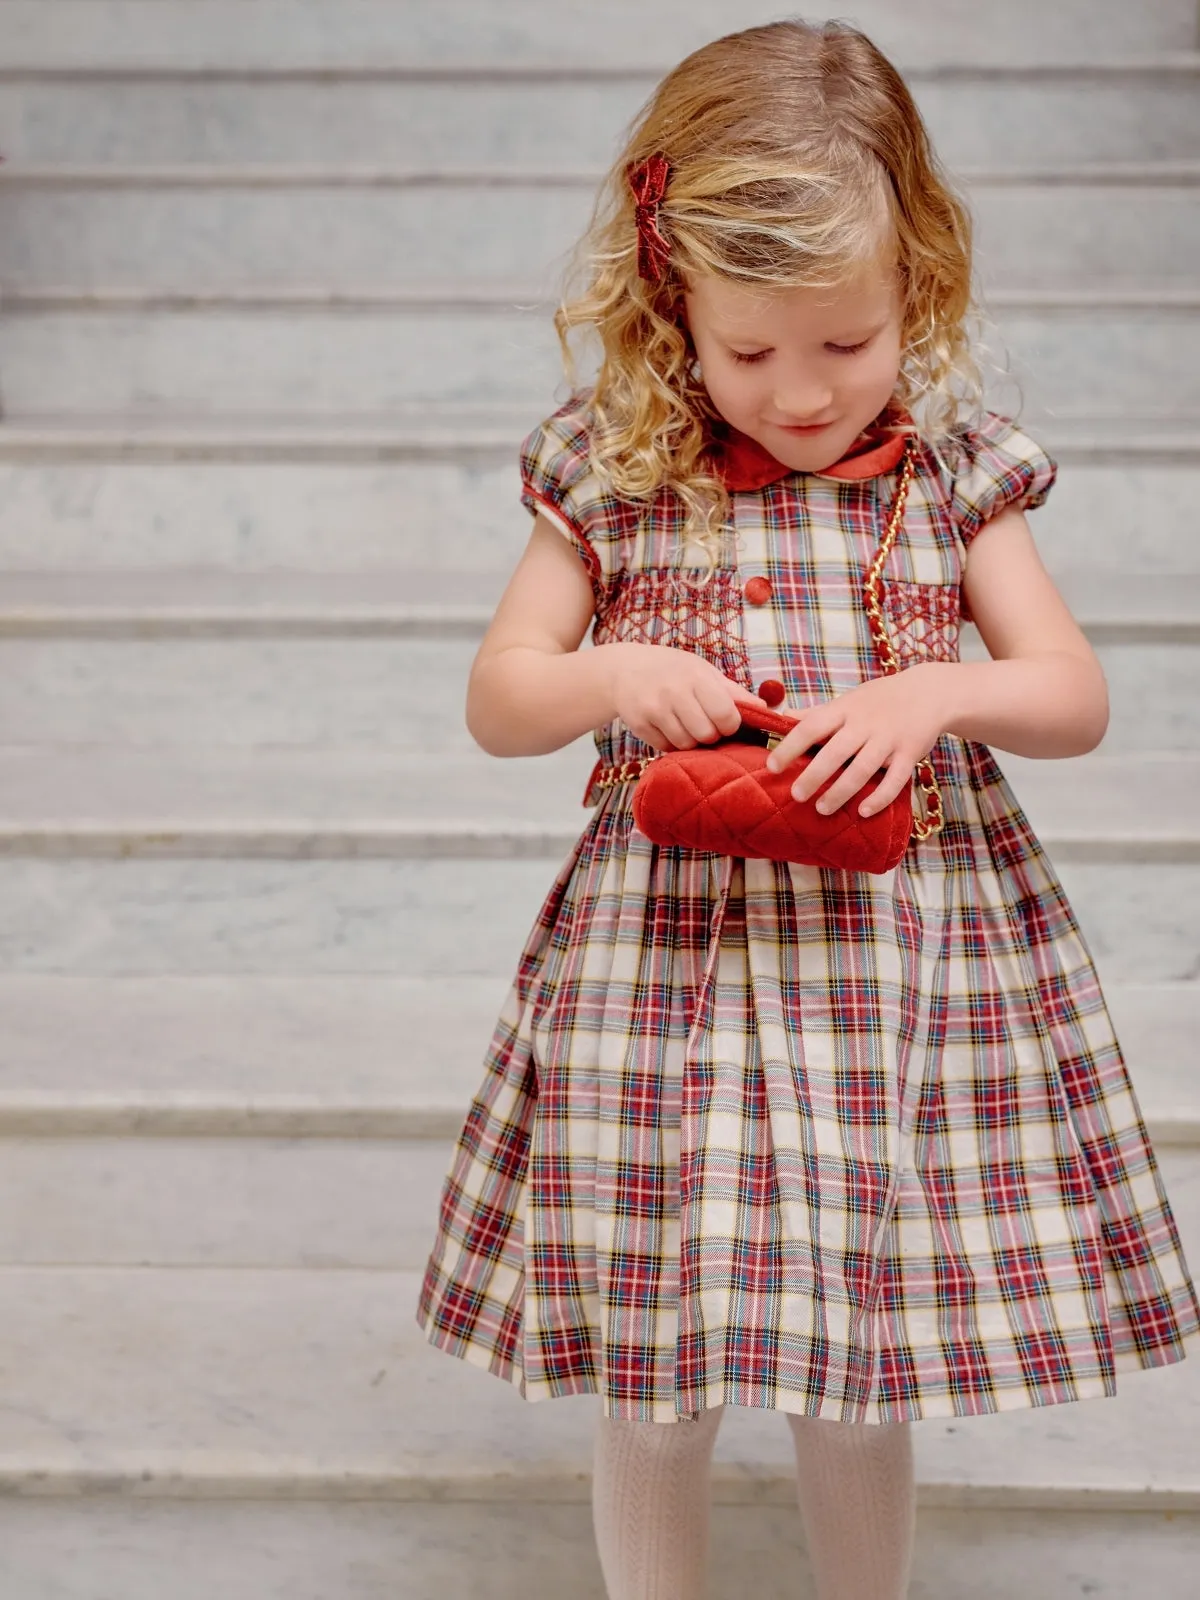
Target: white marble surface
[338, 1042]
[272, 1203]
[1106, 801]
[299, 33]
[246, 363]
[320, 1050]
[113, 517]
[435, 602]
[117, 517]
[330, 233]
[102, 1549]
[178, 787]
[298, 1381]
[432, 918]
[400, 692]
[411, 918]
[1002, 123]
[329, 1203]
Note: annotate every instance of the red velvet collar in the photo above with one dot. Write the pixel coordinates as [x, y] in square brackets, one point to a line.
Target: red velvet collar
[744, 464]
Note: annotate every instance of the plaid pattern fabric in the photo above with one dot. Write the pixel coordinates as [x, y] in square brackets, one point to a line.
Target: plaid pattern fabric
[767, 1135]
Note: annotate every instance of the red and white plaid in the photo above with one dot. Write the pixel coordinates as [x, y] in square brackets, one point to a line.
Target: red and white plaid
[759, 1134]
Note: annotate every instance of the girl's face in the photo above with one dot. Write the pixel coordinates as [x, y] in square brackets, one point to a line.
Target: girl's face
[801, 371]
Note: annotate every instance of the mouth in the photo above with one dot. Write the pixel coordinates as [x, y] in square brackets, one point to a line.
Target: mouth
[805, 430]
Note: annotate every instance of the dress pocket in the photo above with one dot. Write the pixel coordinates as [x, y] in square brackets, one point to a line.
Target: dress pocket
[924, 620]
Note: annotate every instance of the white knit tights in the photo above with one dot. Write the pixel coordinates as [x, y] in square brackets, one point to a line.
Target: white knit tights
[650, 1503]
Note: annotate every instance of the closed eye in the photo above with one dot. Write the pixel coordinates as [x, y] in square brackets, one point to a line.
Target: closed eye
[848, 349]
[753, 356]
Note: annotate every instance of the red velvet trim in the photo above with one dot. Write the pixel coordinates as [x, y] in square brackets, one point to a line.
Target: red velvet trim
[744, 464]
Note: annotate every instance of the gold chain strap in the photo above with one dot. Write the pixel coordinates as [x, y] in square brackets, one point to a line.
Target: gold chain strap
[625, 773]
[935, 816]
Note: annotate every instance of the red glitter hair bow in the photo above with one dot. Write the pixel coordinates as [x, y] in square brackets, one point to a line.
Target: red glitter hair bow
[648, 181]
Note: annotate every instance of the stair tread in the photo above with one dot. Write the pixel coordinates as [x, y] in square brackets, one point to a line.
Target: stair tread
[168, 788]
[206, 174]
[279, 36]
[353, 1391]
[33, 598]
[456, 430]
[233, 1045]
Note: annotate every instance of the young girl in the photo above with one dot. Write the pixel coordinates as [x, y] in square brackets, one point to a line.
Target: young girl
[860, 1149]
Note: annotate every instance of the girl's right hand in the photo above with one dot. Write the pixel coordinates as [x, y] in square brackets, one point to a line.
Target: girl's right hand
[673, 699]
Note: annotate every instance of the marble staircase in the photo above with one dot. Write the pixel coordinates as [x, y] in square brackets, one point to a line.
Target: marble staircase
[274, 280]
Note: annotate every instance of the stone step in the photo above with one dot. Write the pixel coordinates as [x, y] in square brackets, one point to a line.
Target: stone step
[311, 1550]
[204, 230]
[80, 497]
[418, 603]
[330, 802]
[235, 1405]
[977, 116]
[400, 692]
[1140, 359]
[430, 918]
[316, 1056]
[277, 37]
[339, 1204]
[244, 1202]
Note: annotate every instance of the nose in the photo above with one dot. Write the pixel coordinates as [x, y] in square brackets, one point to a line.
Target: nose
[802, 397]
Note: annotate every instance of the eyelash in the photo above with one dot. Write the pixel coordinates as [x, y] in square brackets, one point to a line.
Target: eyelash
[837, 349]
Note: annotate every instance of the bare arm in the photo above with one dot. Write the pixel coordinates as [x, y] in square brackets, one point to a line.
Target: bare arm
[532, 690]
[1043, 693]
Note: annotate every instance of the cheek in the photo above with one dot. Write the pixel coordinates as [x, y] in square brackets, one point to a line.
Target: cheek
[730, 388]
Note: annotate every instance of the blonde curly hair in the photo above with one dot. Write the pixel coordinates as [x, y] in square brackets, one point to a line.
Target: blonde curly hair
[797, 154]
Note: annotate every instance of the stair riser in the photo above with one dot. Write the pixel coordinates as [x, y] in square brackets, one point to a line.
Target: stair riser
[395, 692]
[238, 1049]
[431, 918]
[319, 363]
[275, 34]
[214, 1202]
[249, 1202]
[511, 1550]
[346, 239]
[458, 518]
[1001, 124]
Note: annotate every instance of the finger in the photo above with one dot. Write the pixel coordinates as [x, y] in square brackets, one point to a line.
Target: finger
[669, 720]
[864, 767]
[899, 778]
[739, 690]
[695, 718]
[814, 727]
[829, 760]
[718, 704]
[650, 733]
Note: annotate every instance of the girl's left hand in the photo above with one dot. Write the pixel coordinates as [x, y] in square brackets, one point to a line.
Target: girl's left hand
[890, 723]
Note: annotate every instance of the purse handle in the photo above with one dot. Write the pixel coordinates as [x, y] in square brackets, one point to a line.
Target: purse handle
[934, 818]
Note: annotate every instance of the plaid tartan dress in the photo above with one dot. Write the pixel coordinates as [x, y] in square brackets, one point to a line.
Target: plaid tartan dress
[863, 1147]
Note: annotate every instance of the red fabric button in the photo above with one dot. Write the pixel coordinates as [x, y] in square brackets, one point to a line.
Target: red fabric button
[772, 691]
[758, 591]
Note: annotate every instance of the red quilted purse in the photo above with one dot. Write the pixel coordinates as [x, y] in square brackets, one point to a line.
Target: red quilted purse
[720, 797]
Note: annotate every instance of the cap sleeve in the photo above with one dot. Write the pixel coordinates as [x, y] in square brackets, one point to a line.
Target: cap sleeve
[558, 480]
[1000, 467]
